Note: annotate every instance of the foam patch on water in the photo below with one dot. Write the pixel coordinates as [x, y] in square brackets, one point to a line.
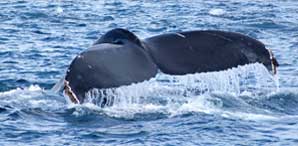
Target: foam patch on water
[247, 116]
[217, 12]
[203, 103]
[19, 90]
[59, 10]
[212, 105]
[174, 94]
[30, 97]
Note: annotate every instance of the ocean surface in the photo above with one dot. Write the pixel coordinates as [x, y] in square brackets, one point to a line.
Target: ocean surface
[239, 106]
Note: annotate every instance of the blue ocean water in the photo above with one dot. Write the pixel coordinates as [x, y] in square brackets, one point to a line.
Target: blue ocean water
[240, 106]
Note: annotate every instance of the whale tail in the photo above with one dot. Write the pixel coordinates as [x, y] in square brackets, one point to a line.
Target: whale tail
[206, 51]
[120, 58]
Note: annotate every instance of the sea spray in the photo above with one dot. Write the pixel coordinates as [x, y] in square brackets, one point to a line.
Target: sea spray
[173, 92]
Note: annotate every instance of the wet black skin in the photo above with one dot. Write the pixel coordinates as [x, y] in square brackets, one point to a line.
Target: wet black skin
[205, 51]
[111, 62]
[120, 58]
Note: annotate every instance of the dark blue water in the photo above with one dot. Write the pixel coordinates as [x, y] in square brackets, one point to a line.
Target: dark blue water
[241, 106]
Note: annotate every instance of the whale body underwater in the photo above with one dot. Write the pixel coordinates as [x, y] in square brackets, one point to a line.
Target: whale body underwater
[120, 58]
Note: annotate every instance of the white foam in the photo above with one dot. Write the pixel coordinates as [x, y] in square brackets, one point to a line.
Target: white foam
[30, 97]
[9, 92]
[59, 10]
[19, 90]
[198, 104]
[217, 12]
[38, 103]
[181, 94]
[34, 88]
[247, 116]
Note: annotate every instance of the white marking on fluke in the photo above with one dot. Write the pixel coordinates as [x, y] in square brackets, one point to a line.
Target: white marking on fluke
[67, 90]
[181, 35]
[272, 62]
